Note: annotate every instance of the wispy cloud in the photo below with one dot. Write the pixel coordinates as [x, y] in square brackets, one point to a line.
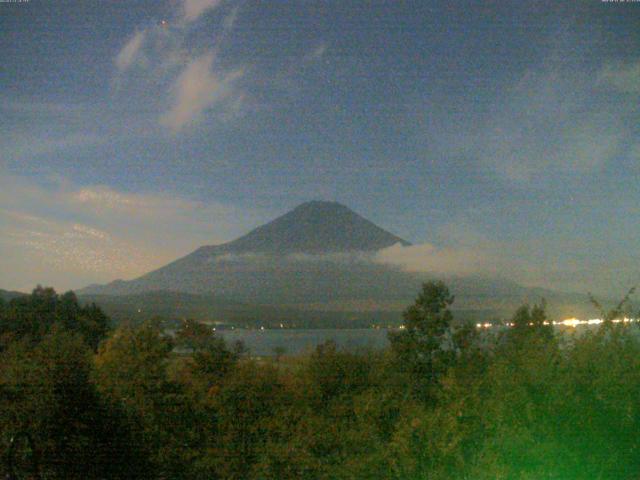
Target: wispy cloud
[547, 123]
[552, 122]
[198, 88]
[96, 233]
[182, 78]
[195, 8]
[230, 20]
[289, 79]
[574, 263]
[130, 51]
[41, 129]
[29, 145]
[186, 77]
[317, 53]
[38, 124]
[624, 77]
[70, 247]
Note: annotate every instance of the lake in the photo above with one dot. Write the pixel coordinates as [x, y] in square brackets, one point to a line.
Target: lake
[262, 343]
[295, 341]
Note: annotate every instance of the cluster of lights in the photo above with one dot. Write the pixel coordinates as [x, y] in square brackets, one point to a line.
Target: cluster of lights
[262, 327]
[569, 322]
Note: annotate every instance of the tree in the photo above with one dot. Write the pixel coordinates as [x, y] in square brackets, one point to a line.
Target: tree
[622, 308]
[246, 404]
[33, 316]
[46, 395]
[194, 335]
[131, 365]
[332, 374]
[425, 347]
[93, 325]
[211, 359]
[131, 374]
[529, 323]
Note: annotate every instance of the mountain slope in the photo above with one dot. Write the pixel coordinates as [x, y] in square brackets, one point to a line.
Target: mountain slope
[314, 227]
[288, 259]
[7, 295]
[319, 256]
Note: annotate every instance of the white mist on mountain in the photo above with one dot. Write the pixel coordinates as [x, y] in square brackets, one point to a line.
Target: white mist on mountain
[428, 258]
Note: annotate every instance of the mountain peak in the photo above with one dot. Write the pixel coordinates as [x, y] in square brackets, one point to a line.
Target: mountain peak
[315, 227]
[320, 205]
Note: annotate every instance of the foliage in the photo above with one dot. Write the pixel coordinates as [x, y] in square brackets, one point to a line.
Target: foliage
[443, 402]
[45, 392]
[211, 359]
[33, 316]
[528, 323]
[428, 345]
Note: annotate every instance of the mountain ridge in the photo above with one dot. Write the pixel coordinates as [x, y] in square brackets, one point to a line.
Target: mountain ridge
[311, 228]
[8, 295]
[319, 253]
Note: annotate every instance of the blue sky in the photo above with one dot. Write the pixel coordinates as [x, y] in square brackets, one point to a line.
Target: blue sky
[500, 137]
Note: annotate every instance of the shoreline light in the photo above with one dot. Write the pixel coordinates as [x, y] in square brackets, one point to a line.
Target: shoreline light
[568, 322]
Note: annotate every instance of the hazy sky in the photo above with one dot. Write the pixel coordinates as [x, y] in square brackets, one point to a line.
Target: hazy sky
[503, 137]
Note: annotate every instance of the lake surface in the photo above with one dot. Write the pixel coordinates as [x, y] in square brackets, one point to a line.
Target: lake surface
[294, 341]
[297, 341]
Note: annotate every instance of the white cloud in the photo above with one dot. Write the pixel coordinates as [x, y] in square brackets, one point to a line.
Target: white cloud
[102, 198]
[70, 247]
[196, 89]
[130, 51]
[317, 53]
[622, 77]
[230, 19]
[551, 123]
[195, 8]
[438, 261]
[462, 259]
[172, 63]
[237, 258]
[75, 236]
[332, 257]
[69, 236]
[547, 124]
[180, 57]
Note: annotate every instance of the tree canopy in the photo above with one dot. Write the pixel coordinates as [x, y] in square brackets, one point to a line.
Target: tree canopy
[444, 401]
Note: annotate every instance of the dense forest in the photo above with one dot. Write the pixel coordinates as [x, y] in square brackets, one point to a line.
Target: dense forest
[83, 399]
